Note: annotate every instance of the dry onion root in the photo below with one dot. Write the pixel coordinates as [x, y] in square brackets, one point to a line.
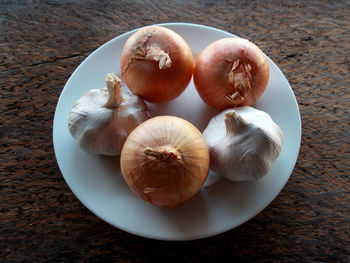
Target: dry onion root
[231, 72]
[165, 161]
[156, 64]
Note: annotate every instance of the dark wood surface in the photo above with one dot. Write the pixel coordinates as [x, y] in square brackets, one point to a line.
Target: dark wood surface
[42, 42]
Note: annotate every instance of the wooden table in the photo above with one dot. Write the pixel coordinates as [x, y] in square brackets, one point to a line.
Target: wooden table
[42, 42]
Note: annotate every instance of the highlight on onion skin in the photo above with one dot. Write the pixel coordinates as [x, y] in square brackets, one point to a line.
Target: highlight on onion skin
[231, 72]
[165, 161]
[156, 64]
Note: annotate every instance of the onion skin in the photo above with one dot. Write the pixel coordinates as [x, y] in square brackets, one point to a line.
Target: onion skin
[231, 72]
[144, 77]
[165, 161]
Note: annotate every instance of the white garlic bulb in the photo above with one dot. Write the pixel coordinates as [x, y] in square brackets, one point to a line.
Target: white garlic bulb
[243, 143]
[102, 119]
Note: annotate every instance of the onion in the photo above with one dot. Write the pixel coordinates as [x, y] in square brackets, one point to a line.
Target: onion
[165, 161]
[156, 64]
[231, 72]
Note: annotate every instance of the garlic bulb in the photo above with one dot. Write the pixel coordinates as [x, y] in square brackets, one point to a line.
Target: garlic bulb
[102, 119]
[243, 143]
[165, 161]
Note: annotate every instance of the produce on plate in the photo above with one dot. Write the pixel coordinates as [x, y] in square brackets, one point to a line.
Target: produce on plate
[102, 119]
[165, 161]
[156, 64]
[243, 143]
[231, 72]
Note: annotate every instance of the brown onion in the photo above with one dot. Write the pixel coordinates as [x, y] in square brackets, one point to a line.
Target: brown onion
[165, 161]
[156, 64]
[231, 72]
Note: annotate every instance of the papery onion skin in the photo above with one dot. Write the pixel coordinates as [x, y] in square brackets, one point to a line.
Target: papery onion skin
[231, 72]
[165, 161]
[144, 76]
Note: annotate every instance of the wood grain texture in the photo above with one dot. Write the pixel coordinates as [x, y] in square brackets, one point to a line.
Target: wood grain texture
[42, 42]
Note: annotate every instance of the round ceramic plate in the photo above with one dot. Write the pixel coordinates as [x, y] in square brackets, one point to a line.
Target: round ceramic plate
[221, 206]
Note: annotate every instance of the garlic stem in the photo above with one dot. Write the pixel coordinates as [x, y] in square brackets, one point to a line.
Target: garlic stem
[165, 155]
[234, 122]
[114, 86]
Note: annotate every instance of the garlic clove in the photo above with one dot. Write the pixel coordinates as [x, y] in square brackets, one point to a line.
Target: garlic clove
[243, 143]
[101, 119]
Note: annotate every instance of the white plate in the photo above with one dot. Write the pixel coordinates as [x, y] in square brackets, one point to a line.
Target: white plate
[98, 183]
